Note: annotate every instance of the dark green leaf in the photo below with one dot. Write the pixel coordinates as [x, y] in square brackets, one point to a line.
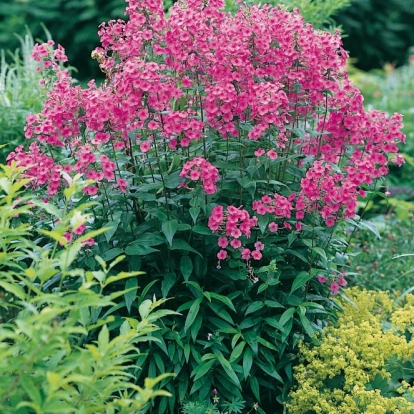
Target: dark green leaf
[186, 267]
[169, 228]
[300, 280]
[139, 249]
[179, 244]
[192, 313]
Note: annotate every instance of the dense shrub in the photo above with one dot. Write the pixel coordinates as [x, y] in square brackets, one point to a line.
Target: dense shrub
[56, 352]
[364, 363]
[224, 151]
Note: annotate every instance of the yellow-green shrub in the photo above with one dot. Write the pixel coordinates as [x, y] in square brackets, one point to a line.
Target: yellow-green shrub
[363, 364]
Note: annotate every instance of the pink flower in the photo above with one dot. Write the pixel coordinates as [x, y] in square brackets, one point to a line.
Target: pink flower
[259, 152]
[298, 226]
[321, 278]
[246, 254]
[199, 168]
[152, 125]
[186, 82]
[235, 243]
[122, 184]
[90, 190]
[272, 154]
[145, 146]
[223, 242]
[334, 287]
[79, 230]
[341, 281]
[88, 242]
[256, 254]
[68, 237]
[273, 227]
[259, 245]
[222, 254]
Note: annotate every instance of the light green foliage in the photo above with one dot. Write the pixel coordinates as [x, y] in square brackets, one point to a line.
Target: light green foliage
[20, 94]
[59, 351]
[317, 12]
[363, 364]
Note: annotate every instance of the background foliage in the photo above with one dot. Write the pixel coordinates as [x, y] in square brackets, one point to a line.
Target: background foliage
[378, 31]
[20, 94]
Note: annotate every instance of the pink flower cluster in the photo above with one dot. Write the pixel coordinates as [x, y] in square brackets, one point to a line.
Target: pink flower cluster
[335, 284]
[278, 205]
[200, 169]
[232, 224]
[202, 74]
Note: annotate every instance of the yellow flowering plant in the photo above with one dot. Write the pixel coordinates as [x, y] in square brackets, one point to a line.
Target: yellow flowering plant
[363, 364]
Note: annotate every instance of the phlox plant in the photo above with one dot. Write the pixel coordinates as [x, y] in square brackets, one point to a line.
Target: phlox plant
[224, 151]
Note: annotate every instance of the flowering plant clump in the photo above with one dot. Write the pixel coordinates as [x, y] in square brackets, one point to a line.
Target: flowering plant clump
[223, 151]
[358, 366]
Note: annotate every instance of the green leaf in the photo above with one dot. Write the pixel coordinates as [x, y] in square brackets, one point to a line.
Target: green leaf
[237, 351]
[300, 280]
[145, 308]
[14, 289]
[287, 314]
[192, 313]
[172, 180]
[223, 299]
[203, 369]
[267, 344]
[186, 267]
[274, 323]
[169, 228]
[273, 304]
[202, 230]
[194, 213]
[263, 221]
[69, 255]
[131, 294]
[103, 338]
[111, 253]
[254, 306]
[305, 321]
[298, 255]
[247, 362]
[179, 244]
[254, 385]
[270, 370]
[319, 251]
[167, 283]
[228, 370]
[31, 389]
[139, 249]
[112, 226]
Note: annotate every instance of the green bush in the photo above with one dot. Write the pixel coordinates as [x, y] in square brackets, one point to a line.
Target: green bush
[59, 353]
[362, 364]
